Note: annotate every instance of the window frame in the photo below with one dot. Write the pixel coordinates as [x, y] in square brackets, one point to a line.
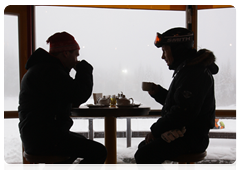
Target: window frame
[25, 44]
[25, 15]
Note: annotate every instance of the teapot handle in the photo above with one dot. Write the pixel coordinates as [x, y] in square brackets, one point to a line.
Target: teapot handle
[132, 100]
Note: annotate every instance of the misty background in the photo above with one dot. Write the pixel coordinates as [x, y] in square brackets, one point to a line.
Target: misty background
[119, 43]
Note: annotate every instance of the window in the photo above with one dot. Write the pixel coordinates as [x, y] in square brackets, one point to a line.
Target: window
[119, 43]
[218, 34]
[11, 63]
[12, 141]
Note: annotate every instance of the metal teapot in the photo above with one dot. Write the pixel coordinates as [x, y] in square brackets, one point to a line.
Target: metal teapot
[104, 100]
[122, 100]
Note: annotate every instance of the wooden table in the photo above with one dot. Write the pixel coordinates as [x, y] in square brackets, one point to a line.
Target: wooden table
[110, 115]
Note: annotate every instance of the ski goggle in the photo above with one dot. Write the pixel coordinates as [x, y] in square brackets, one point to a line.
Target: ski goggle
[158, 40]
[161, 40]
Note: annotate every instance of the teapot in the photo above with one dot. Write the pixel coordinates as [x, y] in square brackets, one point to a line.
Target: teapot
[104, 100]
[122, 100]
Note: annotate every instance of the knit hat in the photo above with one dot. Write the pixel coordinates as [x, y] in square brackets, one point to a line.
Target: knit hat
[62, 41]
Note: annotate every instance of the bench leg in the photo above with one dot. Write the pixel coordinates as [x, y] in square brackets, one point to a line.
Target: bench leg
[181, 165]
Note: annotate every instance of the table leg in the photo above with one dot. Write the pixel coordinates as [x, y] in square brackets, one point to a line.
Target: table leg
[111, 139]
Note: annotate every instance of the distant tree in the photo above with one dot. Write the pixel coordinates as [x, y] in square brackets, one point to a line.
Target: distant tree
[225, 86]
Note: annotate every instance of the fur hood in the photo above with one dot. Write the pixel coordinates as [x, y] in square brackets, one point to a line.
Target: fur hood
[205, 58]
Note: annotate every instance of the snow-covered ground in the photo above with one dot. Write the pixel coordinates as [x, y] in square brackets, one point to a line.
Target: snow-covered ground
[218, 148]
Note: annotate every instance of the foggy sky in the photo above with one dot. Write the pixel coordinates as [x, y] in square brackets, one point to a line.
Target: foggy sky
[119, 43]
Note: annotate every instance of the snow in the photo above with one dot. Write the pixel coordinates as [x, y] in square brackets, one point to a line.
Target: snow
[218, 148]
[221, 149]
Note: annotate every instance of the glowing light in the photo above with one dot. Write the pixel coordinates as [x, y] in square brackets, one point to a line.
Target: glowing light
[125, 71]
[115, 48]
[230, 45]
[83, 47]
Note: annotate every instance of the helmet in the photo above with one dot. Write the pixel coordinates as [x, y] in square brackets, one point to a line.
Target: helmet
[175, 36]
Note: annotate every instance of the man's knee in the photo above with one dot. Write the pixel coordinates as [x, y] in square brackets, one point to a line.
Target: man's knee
[104, 151]
[143, 143]
[101, 151]
[139, 157]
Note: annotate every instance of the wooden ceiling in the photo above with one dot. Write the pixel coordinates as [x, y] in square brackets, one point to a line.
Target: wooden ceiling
[153, 7]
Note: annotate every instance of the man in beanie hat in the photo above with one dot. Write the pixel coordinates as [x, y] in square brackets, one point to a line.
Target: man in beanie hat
[46, 97]
[188, 111]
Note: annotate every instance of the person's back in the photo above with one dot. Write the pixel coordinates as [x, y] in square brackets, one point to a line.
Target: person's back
[47, 95]
[42, 100]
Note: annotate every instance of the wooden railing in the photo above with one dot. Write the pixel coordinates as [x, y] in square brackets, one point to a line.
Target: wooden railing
[219, 113]
[155, 114]
[129, 133]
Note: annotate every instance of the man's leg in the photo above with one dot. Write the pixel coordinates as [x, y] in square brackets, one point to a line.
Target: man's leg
[157, 151]
[146, 154]
[77, 146]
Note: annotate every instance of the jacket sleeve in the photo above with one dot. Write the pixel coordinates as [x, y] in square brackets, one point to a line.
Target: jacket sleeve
[83, 83]
[68, 90]
[161, 96]
[189, 96]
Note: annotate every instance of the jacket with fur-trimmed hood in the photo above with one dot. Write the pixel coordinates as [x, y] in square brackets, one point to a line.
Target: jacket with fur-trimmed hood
[189, 102]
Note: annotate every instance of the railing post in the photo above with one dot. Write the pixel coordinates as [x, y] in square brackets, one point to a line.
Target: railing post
[90, 129]
[129, 132]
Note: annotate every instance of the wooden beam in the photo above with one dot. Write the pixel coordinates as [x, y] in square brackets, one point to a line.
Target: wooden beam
[226, 113]
[214, 6]
[153, 113]
[191, 21]
[139, 7]
[10, 114]
[149, 7]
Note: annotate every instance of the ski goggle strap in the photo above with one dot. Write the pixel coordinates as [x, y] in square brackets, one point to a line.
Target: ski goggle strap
[161, 40]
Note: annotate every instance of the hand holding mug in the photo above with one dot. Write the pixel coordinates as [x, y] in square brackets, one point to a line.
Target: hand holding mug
[152, 88]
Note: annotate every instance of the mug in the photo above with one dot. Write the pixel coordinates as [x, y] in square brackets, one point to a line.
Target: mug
[96, 97]
[147, 86]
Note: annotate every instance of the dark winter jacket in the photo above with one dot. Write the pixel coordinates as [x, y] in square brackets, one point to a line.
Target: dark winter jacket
[46, 97]
[189, 102]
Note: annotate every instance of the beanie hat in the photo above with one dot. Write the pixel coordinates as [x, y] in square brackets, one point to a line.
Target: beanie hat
[62, 41]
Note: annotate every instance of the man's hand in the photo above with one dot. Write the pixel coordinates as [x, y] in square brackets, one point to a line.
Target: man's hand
[149, 138]
[154, 90]
[171, 135]
[75, 67]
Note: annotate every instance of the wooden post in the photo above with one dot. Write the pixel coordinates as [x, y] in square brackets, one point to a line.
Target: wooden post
[191, 21]
[111, 139]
